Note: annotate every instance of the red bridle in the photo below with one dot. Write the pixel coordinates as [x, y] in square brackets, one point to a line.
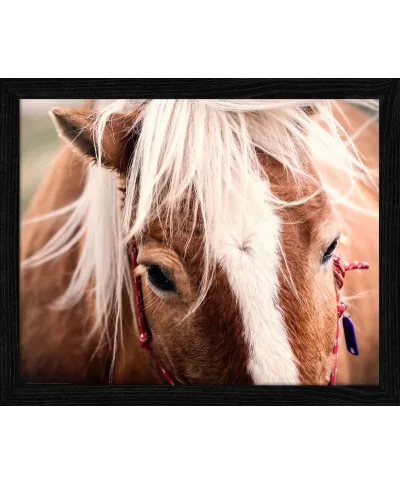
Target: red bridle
[144, 331]
[340, 267]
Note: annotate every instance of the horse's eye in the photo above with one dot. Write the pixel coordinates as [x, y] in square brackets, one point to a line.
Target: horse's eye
[328, 253]
[159, 279]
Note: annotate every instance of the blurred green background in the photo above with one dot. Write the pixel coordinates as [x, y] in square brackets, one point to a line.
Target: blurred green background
[39, 143]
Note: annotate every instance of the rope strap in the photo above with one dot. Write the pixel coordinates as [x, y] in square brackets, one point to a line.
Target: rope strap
[340, 268]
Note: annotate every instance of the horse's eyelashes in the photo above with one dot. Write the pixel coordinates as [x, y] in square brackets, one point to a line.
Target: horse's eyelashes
[159, 279]
[328, 253]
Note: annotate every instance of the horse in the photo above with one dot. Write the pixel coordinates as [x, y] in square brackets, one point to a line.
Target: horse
[193, 242]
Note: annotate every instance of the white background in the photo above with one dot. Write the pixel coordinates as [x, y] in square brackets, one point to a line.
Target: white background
[199, 39]
[194, 445]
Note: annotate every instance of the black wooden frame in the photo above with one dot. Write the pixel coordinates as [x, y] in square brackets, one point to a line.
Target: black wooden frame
[13, 392]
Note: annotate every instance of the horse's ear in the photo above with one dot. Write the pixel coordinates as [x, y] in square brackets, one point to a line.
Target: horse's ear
[78, 128]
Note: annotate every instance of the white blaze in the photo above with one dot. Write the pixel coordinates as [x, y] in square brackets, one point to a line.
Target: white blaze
[246, 246]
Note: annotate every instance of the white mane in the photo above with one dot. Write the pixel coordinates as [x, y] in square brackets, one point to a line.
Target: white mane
[206, 148]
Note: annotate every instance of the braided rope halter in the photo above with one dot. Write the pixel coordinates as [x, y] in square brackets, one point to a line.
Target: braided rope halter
[339, 269]
[144, 331]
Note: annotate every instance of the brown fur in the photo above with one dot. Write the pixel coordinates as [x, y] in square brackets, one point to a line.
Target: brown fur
[208, 346]
[310, 317]
[52, 343]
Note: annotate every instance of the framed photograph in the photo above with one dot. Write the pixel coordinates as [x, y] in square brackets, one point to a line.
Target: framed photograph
[209, 242]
